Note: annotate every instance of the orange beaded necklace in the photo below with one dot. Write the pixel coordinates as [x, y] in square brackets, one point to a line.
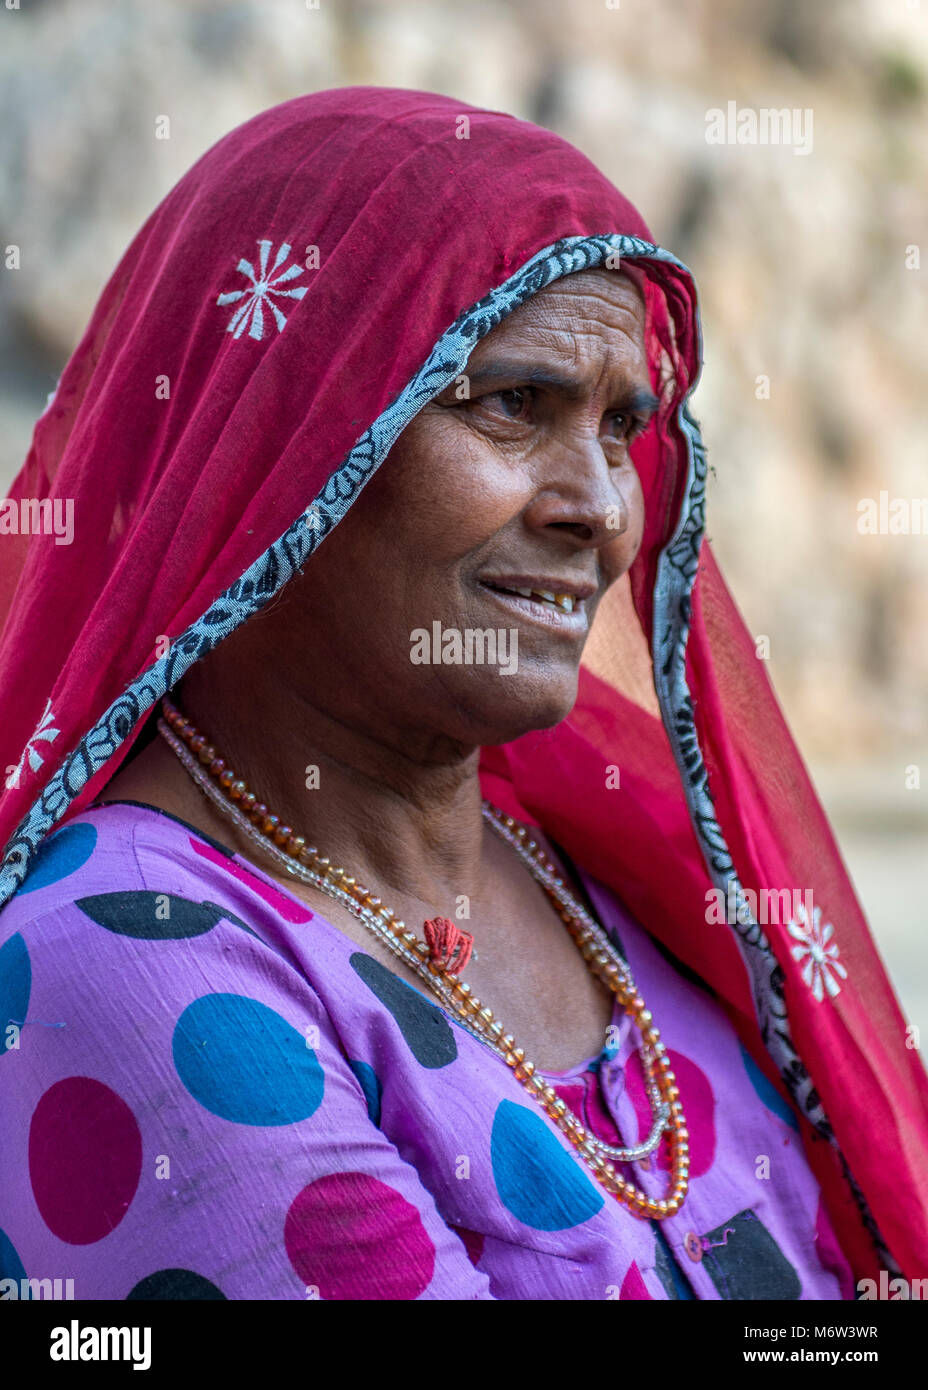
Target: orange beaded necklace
[235, 799]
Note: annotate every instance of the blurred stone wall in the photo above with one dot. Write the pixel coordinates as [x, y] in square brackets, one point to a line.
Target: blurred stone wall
[808, 263]
[800, 258]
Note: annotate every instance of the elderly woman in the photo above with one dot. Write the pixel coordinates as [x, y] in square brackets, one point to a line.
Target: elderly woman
[421, 949]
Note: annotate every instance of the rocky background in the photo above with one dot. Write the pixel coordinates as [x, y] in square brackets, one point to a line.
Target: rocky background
[813, 296]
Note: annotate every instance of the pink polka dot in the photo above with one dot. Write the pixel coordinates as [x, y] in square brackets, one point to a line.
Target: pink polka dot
[572, 1093]
[698, 1107]
[353, 1237]
[633, 1286]
[85, 1159]
[473, 1243]
[289, 909]
[584, 1098]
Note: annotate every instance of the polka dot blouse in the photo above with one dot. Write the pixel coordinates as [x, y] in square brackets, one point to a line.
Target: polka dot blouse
[210, 1092]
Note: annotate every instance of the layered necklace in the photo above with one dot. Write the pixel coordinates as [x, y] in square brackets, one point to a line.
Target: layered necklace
[439, 959]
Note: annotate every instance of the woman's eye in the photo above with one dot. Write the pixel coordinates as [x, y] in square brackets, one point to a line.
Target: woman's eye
[513, 401]
[627, 427]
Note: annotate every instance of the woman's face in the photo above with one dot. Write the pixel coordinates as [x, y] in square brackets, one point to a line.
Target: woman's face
[518, 477]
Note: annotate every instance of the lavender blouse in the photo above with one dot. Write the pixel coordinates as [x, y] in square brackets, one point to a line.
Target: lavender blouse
[209, 1092]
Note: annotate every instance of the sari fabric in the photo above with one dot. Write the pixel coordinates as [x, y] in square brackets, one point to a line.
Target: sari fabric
[315, 278]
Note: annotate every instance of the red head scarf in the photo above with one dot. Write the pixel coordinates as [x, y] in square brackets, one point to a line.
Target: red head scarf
[315, 278]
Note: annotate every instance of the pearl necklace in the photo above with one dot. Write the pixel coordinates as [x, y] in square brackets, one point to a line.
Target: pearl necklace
[233, 797]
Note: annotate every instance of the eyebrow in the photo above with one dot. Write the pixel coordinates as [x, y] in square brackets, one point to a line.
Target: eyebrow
[639, 398]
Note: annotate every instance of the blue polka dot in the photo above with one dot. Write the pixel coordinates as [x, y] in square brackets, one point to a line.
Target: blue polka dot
[767, 1092]
[245, 1063]
[15, 985]
[537, 1180]
[62, 854]
[11, 1266]
[370, 1085]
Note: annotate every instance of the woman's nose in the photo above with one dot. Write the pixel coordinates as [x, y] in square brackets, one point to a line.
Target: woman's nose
[586, 495]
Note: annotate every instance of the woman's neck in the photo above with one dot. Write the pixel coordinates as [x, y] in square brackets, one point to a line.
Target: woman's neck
[398, 810]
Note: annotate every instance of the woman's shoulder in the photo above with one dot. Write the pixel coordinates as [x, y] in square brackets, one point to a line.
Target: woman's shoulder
[92, 852]
[141, 874]
[115, 847]
[128, 916]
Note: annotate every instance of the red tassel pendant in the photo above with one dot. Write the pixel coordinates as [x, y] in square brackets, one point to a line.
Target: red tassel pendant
[448, 945]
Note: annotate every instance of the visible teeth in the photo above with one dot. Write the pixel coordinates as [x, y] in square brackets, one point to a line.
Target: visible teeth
[566, 602]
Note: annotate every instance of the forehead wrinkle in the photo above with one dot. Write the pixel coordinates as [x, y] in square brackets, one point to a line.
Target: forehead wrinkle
[620, 294]
[568, 313]
[583, 353]
[572, 314]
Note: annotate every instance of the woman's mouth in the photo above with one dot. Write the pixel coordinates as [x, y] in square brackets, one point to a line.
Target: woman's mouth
[566, 602]
[561, 608]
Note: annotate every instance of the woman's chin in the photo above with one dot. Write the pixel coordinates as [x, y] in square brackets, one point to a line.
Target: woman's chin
[514, 712]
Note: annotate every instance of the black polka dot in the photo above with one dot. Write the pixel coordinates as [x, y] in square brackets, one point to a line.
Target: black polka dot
[155, 916]
[746, 1262]
[175, 1284]
[421, 1022]
[227, 916]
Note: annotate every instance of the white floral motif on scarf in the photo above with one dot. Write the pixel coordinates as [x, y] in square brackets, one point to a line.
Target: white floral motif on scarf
[264, 284]
[822, 964]
[42, 732]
